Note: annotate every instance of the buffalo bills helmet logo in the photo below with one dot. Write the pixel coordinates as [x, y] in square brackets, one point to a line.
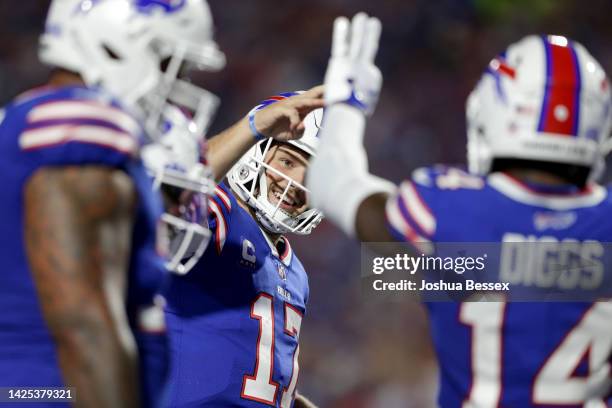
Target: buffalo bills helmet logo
[169, 6]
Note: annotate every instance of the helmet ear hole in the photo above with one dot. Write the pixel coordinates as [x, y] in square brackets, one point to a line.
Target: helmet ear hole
[243, 173]
[110, 53]
[163, 65]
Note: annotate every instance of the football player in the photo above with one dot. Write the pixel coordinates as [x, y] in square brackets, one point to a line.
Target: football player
[183, 159]
[81, 267]
[537, 122]
[234, 319]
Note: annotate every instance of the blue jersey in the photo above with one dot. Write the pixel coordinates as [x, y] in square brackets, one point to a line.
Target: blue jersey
[234, 319]
[71, 126]
[511, 354]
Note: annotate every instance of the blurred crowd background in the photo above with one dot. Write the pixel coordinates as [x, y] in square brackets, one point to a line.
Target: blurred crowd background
[356, 353]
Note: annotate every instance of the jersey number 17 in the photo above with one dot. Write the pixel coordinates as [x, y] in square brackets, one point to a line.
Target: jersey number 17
[259, 386]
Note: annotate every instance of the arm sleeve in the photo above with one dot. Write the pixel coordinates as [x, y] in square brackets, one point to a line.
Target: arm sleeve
[78, 132]
[220, 207]
[410, 217]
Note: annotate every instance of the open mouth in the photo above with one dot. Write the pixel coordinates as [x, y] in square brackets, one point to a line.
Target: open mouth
[289, 203]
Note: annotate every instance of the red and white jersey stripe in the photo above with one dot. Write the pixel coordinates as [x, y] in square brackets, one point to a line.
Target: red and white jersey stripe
[416, 208]
[88, 122]
[54, 135]
[225, 200]
[221, 227]
[401, 226]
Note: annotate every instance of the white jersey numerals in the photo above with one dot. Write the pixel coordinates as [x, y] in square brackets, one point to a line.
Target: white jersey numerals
[293, 321]
[486, 320]
[259, 386]
[556, 382]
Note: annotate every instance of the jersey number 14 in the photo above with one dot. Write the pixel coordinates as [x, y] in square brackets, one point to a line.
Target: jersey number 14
[555, 383]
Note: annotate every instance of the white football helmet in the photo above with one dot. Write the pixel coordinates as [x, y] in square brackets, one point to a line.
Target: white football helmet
[248, 180]
[178, 165]
[545, 99]
[136, 49]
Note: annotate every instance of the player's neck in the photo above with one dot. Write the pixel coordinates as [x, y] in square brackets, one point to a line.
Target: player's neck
[60, 77]
[537, 177]
[274, 238]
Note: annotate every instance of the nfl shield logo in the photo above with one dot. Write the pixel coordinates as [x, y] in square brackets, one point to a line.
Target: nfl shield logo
[282, 271]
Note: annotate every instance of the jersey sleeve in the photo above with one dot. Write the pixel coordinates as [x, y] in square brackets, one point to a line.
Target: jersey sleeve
[220, 207]
[427, 207]
[410, 217]
[78, 130]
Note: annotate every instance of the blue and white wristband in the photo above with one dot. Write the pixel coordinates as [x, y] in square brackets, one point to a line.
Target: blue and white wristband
[258, 136]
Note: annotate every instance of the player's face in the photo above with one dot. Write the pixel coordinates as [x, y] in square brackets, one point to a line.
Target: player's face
[291, 162]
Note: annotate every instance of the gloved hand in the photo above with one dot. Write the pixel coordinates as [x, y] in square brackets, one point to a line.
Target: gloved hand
[338, 178]
[351, 77]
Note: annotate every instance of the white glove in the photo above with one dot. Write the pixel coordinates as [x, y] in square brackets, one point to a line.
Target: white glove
[338, 177]
[351, 77]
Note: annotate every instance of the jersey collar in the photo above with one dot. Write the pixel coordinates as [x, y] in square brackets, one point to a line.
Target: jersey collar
[287, 253]
[554, 198]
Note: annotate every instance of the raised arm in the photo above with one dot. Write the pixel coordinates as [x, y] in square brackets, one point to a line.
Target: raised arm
[281, 120]
[338, 177]
[78, 228]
